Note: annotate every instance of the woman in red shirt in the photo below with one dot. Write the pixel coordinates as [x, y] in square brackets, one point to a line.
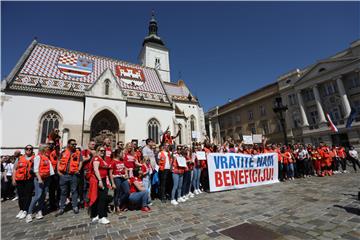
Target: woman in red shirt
[130, 159]
[177, 176]
[99, 169]
[138, 194]
[119, 180]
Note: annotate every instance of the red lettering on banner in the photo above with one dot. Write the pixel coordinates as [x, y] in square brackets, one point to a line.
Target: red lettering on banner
[246, 175]
[218, 179]
[226, 178]
[234, 177]
[258, 176]
[263, 177]
[241, 176]
[253, 175]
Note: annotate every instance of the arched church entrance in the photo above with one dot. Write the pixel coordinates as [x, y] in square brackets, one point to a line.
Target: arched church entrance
[104, 125]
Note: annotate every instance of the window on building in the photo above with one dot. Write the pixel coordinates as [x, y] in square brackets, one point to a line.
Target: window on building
[292, 99]
[157, 63]
[308, 94]
[357, 107]
[265, 127]
[262, 110]
[237, 118]
[329, 88]
[335, 114]
[180, 134]
[252, 128]
[296, 119]
[107, 86]
[313, 117]
[251, 115]
[153, 130]
[355, 82]
[192, 127]
[49, 121]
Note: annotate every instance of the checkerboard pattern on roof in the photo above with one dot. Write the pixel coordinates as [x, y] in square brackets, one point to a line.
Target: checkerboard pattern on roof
[43, 62]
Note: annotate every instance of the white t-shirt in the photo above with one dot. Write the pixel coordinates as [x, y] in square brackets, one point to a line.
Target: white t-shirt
[354, 154]
[9, 168]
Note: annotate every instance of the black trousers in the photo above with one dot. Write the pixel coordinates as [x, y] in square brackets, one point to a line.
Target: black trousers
[354, 163]
[101, 204]
[24, 191]
[54, 191]
[343, 163]
[186, 183]
[204, 179]
[165, 186]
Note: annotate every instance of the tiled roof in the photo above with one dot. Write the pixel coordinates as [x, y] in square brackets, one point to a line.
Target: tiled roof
[41, 67]
[178, 91]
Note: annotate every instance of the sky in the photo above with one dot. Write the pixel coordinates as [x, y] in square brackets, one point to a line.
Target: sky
[222, 50]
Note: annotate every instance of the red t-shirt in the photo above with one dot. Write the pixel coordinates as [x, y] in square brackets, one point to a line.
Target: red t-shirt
[118, 167]
[129, 161]
[108, 152]
[133, 188]
[103, 167]
[85, 165]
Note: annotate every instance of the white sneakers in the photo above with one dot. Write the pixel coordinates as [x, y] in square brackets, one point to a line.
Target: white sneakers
[23, 215]
[174, 202]
[180, 200]
[19, 214]
[191, 195]
[28, 218]
[95, 219]
[104, 220]
[197, 191]
[39, 215]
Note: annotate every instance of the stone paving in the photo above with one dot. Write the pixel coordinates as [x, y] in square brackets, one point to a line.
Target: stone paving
[311, 208]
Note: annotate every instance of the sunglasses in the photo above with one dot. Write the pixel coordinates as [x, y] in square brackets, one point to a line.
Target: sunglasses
[74, 144]
[102, 150]
[28, 149]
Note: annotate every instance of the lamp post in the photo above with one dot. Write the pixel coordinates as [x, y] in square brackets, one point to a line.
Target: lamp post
[279, 109]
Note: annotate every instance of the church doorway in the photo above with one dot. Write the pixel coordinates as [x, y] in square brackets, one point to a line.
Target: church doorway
[104, 125]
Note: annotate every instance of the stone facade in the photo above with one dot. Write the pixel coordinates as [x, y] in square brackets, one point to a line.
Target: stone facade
[330, 86]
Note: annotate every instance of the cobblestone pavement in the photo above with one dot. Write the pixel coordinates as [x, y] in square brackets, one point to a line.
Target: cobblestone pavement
[311, 208]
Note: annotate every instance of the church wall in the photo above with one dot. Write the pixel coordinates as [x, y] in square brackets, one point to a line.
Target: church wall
[22, 113]
[138, 117]
[151, 54]
[94, 106]
[189, 110]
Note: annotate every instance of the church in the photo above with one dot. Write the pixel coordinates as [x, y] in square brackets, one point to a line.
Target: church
[95, 97]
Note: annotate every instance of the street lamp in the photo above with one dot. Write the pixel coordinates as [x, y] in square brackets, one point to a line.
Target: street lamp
[280, 109]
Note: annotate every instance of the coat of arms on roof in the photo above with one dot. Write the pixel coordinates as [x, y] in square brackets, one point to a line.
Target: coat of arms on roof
[129, 75]
[75, 66]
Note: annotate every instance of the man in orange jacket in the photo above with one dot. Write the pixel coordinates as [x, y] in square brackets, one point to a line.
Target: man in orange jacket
[68, 168]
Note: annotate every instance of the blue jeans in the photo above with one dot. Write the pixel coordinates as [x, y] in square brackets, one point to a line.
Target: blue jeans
[121, 193]
[66, 182]
[177, 185]
[139, 198]
[40, 194]
[196, 178]
[290, 170]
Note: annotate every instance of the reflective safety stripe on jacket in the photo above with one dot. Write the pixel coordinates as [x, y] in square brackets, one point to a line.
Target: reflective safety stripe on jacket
[23, 168]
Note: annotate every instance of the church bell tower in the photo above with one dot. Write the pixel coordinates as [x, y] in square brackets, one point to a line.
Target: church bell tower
[154, 54]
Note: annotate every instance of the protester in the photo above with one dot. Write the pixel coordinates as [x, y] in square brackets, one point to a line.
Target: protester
[87, 156]
[354, 158]
[197, 171]
[54, 188]
[68, 169]
[119, 179]
[177, 176]
[43, 169]
[98, 188]
[138, 194]
[165, 162]
[23, 180]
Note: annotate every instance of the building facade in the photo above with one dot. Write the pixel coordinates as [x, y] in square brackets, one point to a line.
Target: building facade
[94, 97]
[330, 86]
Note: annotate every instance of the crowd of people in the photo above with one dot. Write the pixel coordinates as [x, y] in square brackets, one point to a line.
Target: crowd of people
[137, 175]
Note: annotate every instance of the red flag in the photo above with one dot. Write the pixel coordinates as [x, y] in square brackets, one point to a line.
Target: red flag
[332, 125]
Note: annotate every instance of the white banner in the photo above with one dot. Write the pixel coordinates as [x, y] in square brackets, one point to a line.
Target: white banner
[247, 139]
[257, 138]
[235, 170]
[181, 161]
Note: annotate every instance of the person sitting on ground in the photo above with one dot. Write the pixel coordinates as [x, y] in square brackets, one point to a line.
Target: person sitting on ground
[138, 194]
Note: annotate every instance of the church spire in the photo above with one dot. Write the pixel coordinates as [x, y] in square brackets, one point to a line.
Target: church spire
[153, 37]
